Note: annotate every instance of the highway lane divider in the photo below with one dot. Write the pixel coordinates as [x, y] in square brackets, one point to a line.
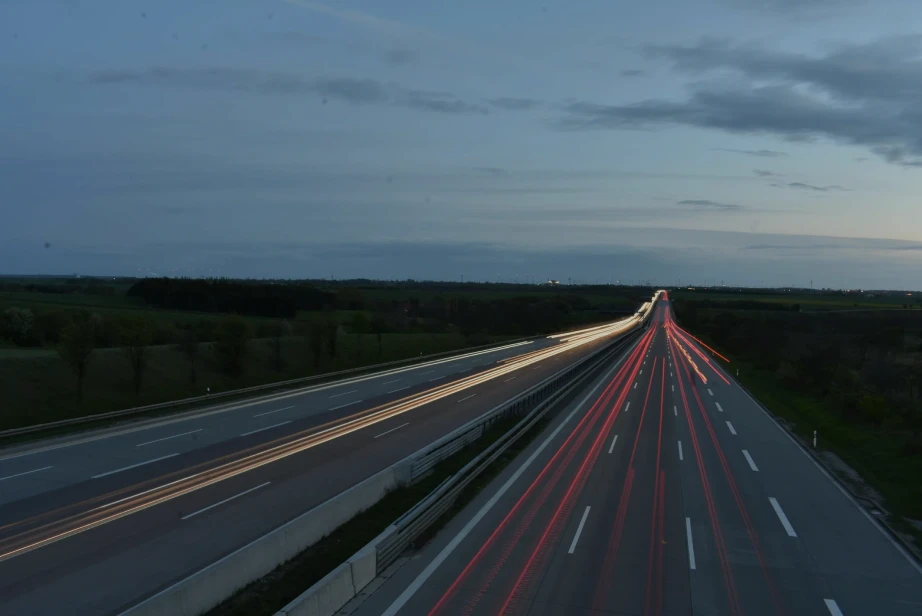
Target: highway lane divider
[210, 586]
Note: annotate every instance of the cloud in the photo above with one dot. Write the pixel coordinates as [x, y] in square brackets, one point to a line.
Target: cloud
[292, 37]
[706, 204]
[514, 104]
[811, 187]
[400, 56]
[757, 153]
[345, 89]
[490, 170]
[633, 72]
[762, 173]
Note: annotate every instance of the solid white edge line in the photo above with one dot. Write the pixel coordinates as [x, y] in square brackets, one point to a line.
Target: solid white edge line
[467, 398]
[166, 438]
[579, 530]
[719, 408]
[613, 441]
[342, 406]
[732, 429]
[125, 468]
[833, 607]
[784, 519]
[266, 428]
[392, 429]
[345, 393]
[226, 500]
[681, 457]
[426, 573]
[44, 468]
[752, 464]
[284, 408]
[691, 545]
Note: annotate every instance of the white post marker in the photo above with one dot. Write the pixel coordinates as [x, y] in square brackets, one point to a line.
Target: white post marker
[814, 439]
[691, 545]
[579, 531]
[784, 519]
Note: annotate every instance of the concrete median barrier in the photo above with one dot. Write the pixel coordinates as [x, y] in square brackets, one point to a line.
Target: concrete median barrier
[326, 596]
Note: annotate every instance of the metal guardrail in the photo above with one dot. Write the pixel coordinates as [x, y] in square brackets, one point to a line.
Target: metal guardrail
[536, 401]
[137, 410]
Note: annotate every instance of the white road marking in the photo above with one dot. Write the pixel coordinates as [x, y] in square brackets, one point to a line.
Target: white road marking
[613, 441]
[342, 406]
[719, 408]
[691, 545]
[710, 392]
[125, 468]
[166, 438]
[627, 406]
[394, 391]
[635, 385]
[389, 382]
[670, 374]
[266, 428]
[784, 519]
[641, 372]
[732, 430]
[681, 457]
[345, 393]
[438, 378]
[467, 398]
[226, 500]
[44, 468]
[675, 411]
[833, 607]
[436, 562]
[579, 531]
[392, 429]
[426, 372]
[673, 388]
[752, 464]
[509, 379]
[284, 408]
[536, 367]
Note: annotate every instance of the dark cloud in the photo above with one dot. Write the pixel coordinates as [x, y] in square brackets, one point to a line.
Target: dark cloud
[633, 72]
[345, 89]
[400, 56]
[706, 204]
[811, 187]
[757, 153]
[762, 173]
[514, 104]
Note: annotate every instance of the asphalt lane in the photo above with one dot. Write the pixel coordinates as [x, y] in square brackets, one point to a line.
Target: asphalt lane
[675, 494]
[108, 568]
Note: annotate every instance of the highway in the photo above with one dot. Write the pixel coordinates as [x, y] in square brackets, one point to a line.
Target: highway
[664, 490]
[93, 523]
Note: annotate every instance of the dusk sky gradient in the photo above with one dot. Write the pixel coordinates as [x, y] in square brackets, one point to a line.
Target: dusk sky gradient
[768, 142]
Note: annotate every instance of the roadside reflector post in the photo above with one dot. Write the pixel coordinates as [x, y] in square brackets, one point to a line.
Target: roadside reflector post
[814, 439]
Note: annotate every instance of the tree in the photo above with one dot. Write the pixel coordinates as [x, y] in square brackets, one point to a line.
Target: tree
[281, 329]
[187, 344]
[77, 344]
[18, 324]
[360, 325]
[315, 339]
[231, 345]
[332, 332]
[377, 328]
[136, 338]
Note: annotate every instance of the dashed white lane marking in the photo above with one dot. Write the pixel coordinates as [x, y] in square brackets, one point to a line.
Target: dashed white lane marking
[627, 406]
[752, 464]
[467, 398]
[266, 428]
[675, 411]
[784, 519]
[710, 392]
[392, 429]
[426, 372]
[342, 406]
[691, 545]
[394, 391]
[284, 408]
[125, 468]
[509, 379]
[346, 393]
[732, 429]
[579, 531]
[226, 500]
[673, 388]
[438, 378]
[613, 441]
[45, 468]
[166, 438]
[719, 408]
[833, 607]
[389, 382]
[635, 385]
[641, 372]
[681, 457]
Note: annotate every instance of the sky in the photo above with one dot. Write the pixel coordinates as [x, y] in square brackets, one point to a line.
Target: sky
[738, 142]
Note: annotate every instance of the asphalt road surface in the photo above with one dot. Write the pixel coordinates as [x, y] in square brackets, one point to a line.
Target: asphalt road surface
[659, 493]
[83, 529]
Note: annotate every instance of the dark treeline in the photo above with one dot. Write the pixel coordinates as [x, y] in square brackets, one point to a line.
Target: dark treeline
[232, 296]
[72, 286]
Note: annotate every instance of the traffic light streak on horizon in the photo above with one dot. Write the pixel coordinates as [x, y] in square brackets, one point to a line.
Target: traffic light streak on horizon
[79, 517]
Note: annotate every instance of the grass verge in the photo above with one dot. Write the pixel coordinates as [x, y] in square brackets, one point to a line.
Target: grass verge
[271, 593]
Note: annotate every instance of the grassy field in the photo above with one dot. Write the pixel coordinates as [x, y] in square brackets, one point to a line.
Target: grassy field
[38, 387]
[807, 301]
